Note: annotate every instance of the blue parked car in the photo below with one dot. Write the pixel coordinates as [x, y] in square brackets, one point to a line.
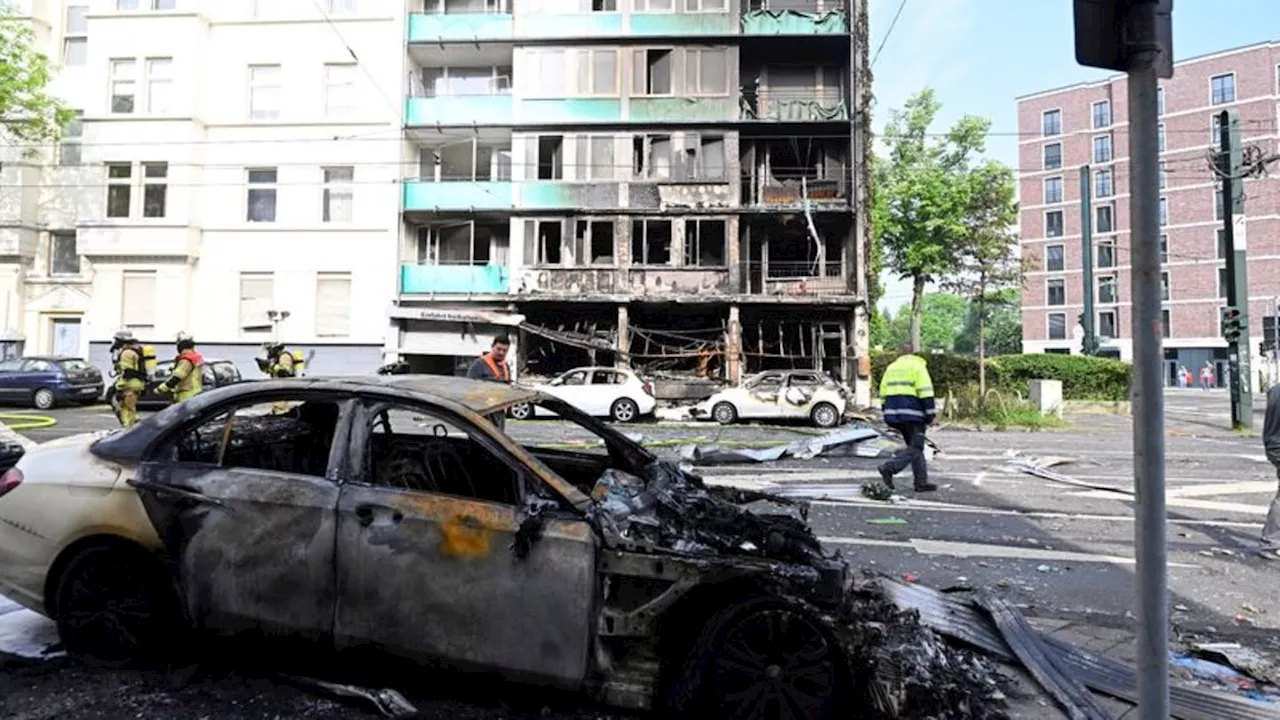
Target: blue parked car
[47, 381]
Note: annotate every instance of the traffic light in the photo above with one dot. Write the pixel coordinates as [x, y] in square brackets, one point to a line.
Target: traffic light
[1231, 325]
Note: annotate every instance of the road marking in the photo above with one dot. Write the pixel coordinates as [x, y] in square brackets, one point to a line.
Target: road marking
[972, 550]
[1253, 487]
[1173, 501]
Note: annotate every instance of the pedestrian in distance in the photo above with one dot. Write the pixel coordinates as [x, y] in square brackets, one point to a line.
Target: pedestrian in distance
[906, 392]
[492, 366]
[1271, 444]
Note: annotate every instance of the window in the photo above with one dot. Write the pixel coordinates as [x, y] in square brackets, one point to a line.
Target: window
[1054, 258]
[297, 441]
[1222, 244]
[595, 157]
[333, 304]
[1223, 284]
[1166, 323]
[124, 86]
[1163, 176]
[549, 236]
[1219, 211]
[138, 299]
[641, 6]
[1101, 114]
[1160, 137]
[1107, 324]
[119, 190]
[549, 70]
[597, 72]
[604, 6]
[1052, 190]
[159, 85]
[651, 241]
[1052, 156]
[1223, 89]
[64, 258]
[550, 157]
[164, 4]
[1057, 326]
[1102, 184]
[155, 189]
[652, 156]
[1051, 122]
[343, 7]
[339, 194]
[1106, 255]
[706, 71]
[1164, 249]
[1053, 223]
[75, 36]
[461, 80]
[1055, 291]
[593, 242]
[1102, 149]
[708, 161]
[264, 92]
[126, 4]
[1164, 212]
[1107, 290]
[1164, 286]
[69, 143]
[339, 90]
[651, 71]
[261, 196]
[706, 5]
[704, 242]
[1159, 101]
[257, 295]
[1105, 219]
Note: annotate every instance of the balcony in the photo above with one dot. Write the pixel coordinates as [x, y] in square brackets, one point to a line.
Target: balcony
[623, 281]
[459, 196]
[559, 111]
[462, 27]
[792, 194]
[796, 106]
[459, 110]
[572, 25]
[666, 24]
[682, 109]
[454, 279]
[795, 279]
[794, 22]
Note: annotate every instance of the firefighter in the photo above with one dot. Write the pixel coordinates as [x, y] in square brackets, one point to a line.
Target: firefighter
[187, 379]
[907, 393]
[278, 363]
[129, 368]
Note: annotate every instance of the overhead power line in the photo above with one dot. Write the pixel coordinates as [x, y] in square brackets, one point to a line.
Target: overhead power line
[885, 39]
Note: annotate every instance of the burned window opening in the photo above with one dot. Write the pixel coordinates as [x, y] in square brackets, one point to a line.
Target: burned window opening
[551, 157]
[290, 438]
[463, 244]
[788, 171]
[565, 337]
[705, 242]
[652, 156]
[652, 71]
[705, 157]
[470, 160]
[594, 242]
[651, 241]
[549, 238]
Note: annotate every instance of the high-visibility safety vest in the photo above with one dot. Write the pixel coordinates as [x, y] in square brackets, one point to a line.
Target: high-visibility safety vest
[906, 390]
[193, 383]
[500, 371]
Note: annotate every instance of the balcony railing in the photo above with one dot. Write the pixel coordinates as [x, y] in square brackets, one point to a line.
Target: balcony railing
[454, 279]
[795, 17]
[462, 27]
[796, 278]
[787, 279]
[794, 105]
[821, 193]
[470, 110]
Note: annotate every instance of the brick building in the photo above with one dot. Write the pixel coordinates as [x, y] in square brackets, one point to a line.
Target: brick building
[1065, 129]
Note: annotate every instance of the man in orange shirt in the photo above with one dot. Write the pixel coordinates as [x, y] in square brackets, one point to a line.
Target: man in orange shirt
[492, 366]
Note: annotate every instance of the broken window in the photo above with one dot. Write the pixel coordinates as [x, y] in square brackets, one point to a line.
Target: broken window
[551, 157]
[705, 157]
[593, 242]
[461, 244]
[259, 437]
[595, 157]
[651, 241]
[597, 72]
[548, 238]
[704, 242]
[706, 71]
[604, 5]
[417, 450]
[651, 71]
[652, 156]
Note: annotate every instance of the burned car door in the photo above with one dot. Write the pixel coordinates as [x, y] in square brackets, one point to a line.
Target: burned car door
[244, 503]
[430, 563]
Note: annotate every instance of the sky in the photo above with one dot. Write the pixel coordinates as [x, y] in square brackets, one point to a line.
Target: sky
[978, 55]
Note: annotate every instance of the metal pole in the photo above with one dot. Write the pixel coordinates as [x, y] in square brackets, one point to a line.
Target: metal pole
[1151, 599]
[1089, 344]
[1238, 350]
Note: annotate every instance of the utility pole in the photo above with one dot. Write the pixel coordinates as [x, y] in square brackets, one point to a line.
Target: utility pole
[1236, 328]
[1136, 36]
[1089, 343]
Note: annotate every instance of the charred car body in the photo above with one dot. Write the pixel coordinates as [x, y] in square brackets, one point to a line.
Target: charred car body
[386, 513]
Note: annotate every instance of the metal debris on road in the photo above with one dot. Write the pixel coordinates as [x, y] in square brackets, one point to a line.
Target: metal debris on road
[387, 701]
[1040, 467]
[1246, 660]
[839, 443]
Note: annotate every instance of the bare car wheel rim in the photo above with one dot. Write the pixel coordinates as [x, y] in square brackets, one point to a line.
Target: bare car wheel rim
[44, 399]
[825, 416]
[774, 664]
[109, 610]
[624, 411]
[723, 412]
[521, 411]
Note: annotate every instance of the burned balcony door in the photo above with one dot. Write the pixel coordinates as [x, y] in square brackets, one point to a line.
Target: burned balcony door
[244, 504]
[426, 566]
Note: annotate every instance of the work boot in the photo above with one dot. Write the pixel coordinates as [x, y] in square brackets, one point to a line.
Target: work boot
[886, 476]
[925, 486]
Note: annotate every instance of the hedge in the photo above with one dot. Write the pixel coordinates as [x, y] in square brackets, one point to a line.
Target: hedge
[1083, 378]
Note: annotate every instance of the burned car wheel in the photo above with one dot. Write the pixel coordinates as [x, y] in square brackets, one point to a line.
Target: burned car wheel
[523, 411]
[725, 413]
[762, 658]
[825, 416]
[115, 605]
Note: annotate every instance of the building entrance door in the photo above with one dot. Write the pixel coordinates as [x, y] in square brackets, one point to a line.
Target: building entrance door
[66, 337]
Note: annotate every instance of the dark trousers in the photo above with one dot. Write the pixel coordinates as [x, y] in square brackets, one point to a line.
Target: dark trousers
[913, 454]
[1271, 530]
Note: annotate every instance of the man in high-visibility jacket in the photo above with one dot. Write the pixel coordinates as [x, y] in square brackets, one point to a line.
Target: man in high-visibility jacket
[906, 391]
[492, 366]
[128, 367]
[187, 379]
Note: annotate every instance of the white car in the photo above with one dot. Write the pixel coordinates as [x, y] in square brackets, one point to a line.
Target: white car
[778, 395]
[598, 391]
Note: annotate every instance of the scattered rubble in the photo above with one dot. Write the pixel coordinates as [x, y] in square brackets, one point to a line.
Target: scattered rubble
[839, 443]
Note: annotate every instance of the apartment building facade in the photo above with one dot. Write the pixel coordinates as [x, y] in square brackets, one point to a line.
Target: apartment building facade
[675, 185]
[1066, 129]
[231, 159]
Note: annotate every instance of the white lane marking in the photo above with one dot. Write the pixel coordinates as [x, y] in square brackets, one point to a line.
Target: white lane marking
[923, 506]
[1250, 487]
[971, 550]
[1189, 503]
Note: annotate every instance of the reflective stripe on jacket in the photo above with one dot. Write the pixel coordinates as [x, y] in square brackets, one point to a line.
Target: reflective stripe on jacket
[906, 390]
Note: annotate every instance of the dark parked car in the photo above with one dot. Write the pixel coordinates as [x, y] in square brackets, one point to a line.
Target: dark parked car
[217, 373]
[48, 381]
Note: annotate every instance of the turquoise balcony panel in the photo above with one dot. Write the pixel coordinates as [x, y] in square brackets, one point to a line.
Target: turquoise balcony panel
[577, 25]
[791, 22]
[681, 24]
[545, 195]
[681, 109]
[455, 279]
[433, 196]
[482, 110]
[429, 28]
[570, 110]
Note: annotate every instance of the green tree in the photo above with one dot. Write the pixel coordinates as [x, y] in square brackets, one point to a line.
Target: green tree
[941, 322]
[28, 114]
[922, 195]
[1003, 326]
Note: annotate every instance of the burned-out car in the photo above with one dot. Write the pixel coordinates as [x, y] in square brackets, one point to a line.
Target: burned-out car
[386, 513]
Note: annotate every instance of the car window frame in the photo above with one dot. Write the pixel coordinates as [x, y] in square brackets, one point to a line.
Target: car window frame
[30, 366]
[17, 365]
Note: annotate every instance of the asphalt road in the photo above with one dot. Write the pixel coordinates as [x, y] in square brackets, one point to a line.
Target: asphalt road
[1057, 550]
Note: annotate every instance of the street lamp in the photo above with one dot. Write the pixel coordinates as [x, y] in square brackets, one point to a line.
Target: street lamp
[276, 317]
